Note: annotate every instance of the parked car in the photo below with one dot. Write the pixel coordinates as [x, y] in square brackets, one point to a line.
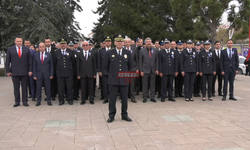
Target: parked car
[242, 66]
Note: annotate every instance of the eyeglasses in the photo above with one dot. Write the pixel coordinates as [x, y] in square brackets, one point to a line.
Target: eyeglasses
[85, 45]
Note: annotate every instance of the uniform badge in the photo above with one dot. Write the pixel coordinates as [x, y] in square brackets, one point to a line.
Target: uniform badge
[75, 55]
[89, 54]
[125, 56]
[45, 56]
[172, 53]
[113, 55]
[193, 53]
[173, 56]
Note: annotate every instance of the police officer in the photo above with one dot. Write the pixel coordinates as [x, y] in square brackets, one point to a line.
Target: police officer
[179, 80]
[64, 61]
[168, 70]
[118, 60]
[189, 68]
[207, 69]
[198, 79]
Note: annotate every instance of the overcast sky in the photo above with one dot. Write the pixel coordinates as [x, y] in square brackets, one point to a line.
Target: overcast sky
[86, 18]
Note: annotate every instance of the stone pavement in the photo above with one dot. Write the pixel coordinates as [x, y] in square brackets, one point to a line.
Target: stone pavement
[197, 125]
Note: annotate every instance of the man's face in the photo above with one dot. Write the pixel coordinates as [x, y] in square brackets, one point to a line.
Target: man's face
[162, 46]
[85, 46]
[189, 46]
[63, 46]
[76, 46]
[184, 45]
[157, 45]
[173, 45]
[119, 44]
[167, 45]
[197, 47]
[47, 42]
[41, 47]
[27, 43]
[148, 43]
[217, 45]
[71, 47]
[19, 42]
[127, 42]
[180, 46]
[132, 42]
[139, 43]
[230, 44]
[207, 47]
[108, 43]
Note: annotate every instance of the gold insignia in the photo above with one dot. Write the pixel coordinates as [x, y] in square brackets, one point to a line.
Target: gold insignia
[62, 39]
[113, 55]
[125, 56]
[119, 36]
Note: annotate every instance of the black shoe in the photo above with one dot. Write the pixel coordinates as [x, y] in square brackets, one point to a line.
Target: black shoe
[105, 101]
[144, 100]
[213, 94]
[198, 95]
[49, 103]
[187, 99]
[70, 102]
[33, 99]
[45, 99]
[204, 99]
[195, 95]
[110, 120]
[232, 98]
[61, 103]
[53, 98]
[91, 102]
[133, 100]
[38, 103]
[162, 99]
[171, 99]
[153, 100]
[224, 98]
[127, 119]
[25, 104]
[191, 99]
[181, 95]
[159, 96]
[210, 98]
[83, 102]
[16, 104]
[102, 98]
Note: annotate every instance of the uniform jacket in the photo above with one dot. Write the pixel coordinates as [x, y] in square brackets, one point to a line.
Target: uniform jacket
[189, 61]
[16, 65]
[64, 64]
[134, 55]
[115, 64]
[179, 60]
[207, 62]
[100, 61]
[147, 64]
[168, 62]
[226, 63]
[86, 68]
[46, 68]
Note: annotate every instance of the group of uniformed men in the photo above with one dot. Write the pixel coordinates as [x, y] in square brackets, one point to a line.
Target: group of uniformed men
[67, 68]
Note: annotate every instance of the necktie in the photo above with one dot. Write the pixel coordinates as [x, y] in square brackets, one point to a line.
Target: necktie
[230, 54]
[19, 52]
[42, 58]
[149, 53]
[119, 53]
[63, 52]
[218, 54]
[86, 55]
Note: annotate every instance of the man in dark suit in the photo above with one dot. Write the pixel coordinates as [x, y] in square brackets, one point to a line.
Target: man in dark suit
[135, 67]
[138, 86]
[116, 61]
[167, 70]
[218, 74]
[198, 79]
[19, 66]
[229, 65]
[148, 60]
[43, 73]
[101, 68]
[86, 72]
[64, 61]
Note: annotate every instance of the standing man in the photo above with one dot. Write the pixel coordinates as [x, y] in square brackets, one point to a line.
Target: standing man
[134, 68]
[198, 79]
[148, 60]
[229, 63]
[19, 66]
[218, 74]
[64, 61]
[189, 68]
[43, 73]
[168, 70]
[138, 84]
[116, 61]
[173, 45]
[102, 71]
[86, 72]
[157, 45]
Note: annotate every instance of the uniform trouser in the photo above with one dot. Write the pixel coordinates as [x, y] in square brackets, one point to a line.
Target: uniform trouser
[179, 80]
[198, 84]
[189, 79]
[105, 87]
[158, 84]
[47, 85]
[219, 75]
[54, 87]
[32, 87]
[207, 79]
[76, 87]
[167, 83]
[132, 87]
[138, 82]
[87, 88]
[100, 85]
[124, 99]
[145, 80]
[229, 77]
[23, 80]
[62, 82]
